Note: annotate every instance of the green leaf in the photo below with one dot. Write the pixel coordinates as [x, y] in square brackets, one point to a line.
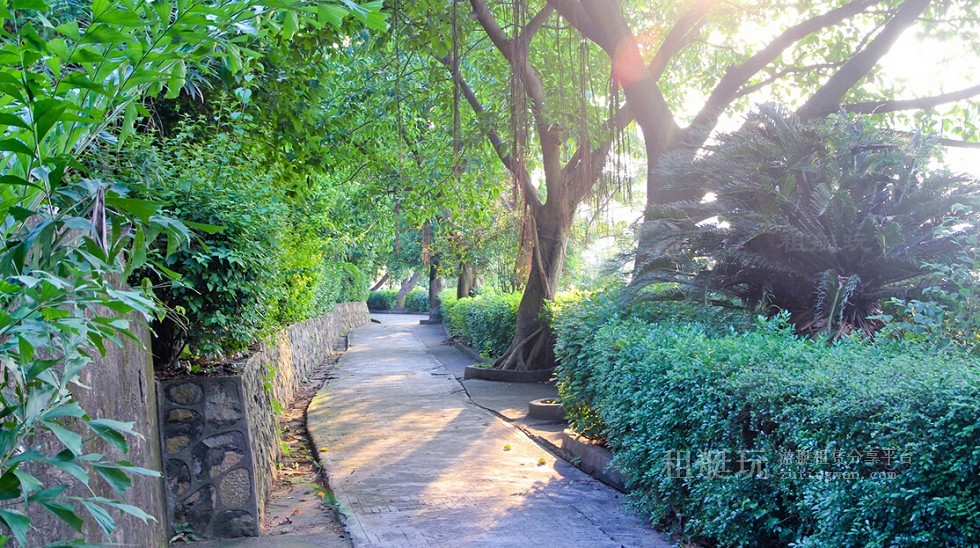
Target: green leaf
[49, 494]
[9, 486]
[28, 483]
[122, 18]
[142, 209]
[18, 524]
[71, 440]
[12, 120]
[114, 476]
[129, 121]
[111, 431]
[38, 5]
[202, 227]
[290, 25]
[48, 113]
[100, 515]
[15, 145]
[128, 509]
[53, 314]
[66, 513]
[18, 181]
[333, 15]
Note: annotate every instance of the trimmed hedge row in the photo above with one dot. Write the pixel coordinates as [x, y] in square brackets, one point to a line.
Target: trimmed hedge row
[385, 299]
[760, 438]
[485, 322]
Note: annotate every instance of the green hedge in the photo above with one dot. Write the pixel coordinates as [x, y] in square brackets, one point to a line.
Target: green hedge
[385, 299]
[417, 301]
[759, 438]
[485, 322]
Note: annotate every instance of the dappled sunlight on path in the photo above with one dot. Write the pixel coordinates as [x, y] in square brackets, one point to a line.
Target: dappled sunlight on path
[413, 463]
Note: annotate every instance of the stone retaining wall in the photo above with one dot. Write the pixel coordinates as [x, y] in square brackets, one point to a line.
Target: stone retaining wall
[220, 434]
[297, 353]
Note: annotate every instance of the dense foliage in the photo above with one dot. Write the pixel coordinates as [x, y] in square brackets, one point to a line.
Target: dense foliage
[485, 322]
[386, 299]
[761, 438]
[249, 270]
[75, 79]
[824, 220]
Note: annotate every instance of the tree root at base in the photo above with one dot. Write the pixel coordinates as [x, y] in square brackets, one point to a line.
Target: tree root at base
[524, 352]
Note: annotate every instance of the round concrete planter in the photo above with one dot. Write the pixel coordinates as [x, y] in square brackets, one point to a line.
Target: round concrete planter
[547, 409]
[501, 375]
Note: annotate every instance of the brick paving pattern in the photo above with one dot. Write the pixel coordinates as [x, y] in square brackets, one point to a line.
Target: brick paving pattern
[413, 462]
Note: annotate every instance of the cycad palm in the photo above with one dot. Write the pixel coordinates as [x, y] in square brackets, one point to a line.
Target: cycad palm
[821, 220]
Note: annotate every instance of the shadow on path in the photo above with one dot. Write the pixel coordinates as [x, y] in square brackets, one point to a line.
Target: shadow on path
[413, 462]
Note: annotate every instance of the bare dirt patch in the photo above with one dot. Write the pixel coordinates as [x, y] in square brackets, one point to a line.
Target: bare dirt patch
[301, 501]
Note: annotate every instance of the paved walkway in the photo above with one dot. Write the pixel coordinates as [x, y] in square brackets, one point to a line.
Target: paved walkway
[413, 462]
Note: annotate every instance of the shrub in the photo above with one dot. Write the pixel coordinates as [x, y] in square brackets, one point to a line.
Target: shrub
[386, 299]
[352, 283]
[575, 319]
[826, 220]
[382, 300]
[485, 322]
[229, 283]
[417, 301]
[760, 438]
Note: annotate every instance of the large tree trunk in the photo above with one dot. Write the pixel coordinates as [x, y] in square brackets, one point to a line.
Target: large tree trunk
[465, 281]
[435, 287]
[384, 279]
[533, 345]
[407, 286]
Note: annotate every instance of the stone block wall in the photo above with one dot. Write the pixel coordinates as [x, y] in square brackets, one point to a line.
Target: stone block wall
[220, 435]
[208, 462]
[276, 372]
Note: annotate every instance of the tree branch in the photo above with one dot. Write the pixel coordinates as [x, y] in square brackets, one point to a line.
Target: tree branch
[785, 72]
[548, 135]
[519, 171]
[827, 99]
[894, 105]
[576, 15]
[727, 88]
[535, 24]
[958, 144]
[684, 31]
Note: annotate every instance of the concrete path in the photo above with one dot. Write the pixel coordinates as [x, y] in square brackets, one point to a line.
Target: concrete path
[413, 462]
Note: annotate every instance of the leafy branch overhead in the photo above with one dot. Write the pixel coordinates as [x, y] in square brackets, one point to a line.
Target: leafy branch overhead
[73, 78]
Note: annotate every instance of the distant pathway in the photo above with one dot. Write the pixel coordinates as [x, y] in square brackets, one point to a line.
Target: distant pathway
[414, 463]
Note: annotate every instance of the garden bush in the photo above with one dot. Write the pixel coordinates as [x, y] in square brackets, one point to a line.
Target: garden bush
[761, 438]
[417, 301]
[383, 299]
[350, 284]
[229, 284]
[250, 269]
[485, 322]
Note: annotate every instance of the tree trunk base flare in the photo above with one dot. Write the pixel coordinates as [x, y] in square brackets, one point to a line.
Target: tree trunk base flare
[532, 353]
